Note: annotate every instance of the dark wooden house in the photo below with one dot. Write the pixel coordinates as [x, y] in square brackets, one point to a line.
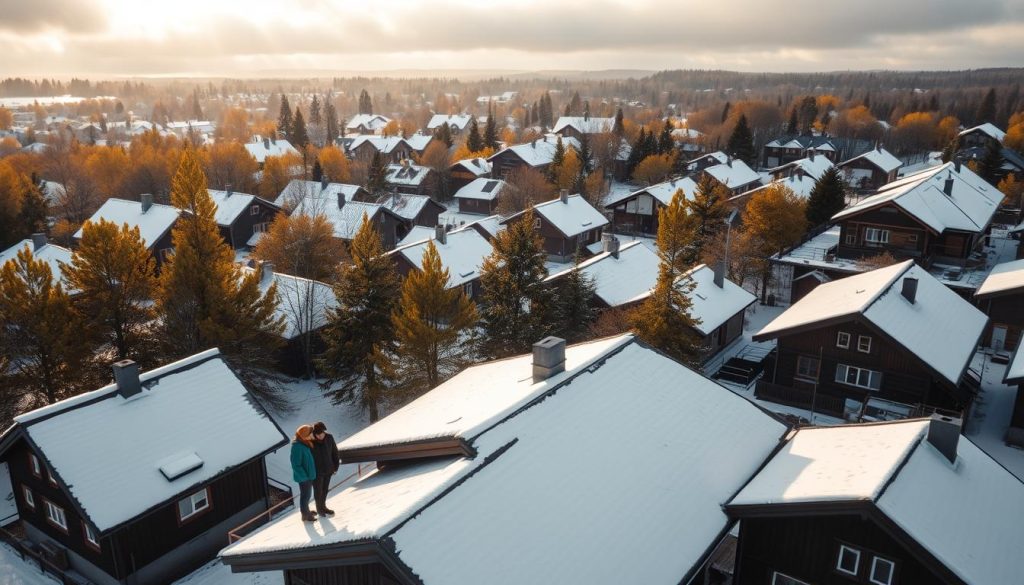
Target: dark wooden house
[637, 212]
[140, 481]
[462, 254]
[787, 149]
[346, 216]
[411, 179]
[480, 196]
[578, 126]
[367, 124]
[1001, 297]
[880, 504]
[895, 336]
[871, 170]
[567, 225]
[392, 149]
[466, 171]
[1015, 377]
[154, 221]
[536, 155]
[242, 218]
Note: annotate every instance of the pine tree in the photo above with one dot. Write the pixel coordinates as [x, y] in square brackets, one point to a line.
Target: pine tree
[473, 141]
[491, 130]
[318, 171]
[45, 338]
[444, 134]
[707, 213]
[433, 326]
[793, 126]
[365, 103]
[330, 120]
[665, 142]
[202, 298]
[33, 212]
[513, 290]
[987, 108]
[376, 176]
[990, 167]
[284, 118]
[360, 331]
[546, 111]
[827, 198]
[808, 113]
[573, 311]
[556, 161]
[741, 142]
[618, 128]
[586, 155]
[114, 274]
[637, 153]
[575, 105]
[299, 136]
[314, 111]
[663, 320]
[725, 112]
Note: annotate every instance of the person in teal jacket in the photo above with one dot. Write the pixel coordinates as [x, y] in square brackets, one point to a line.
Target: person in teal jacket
[304, 468]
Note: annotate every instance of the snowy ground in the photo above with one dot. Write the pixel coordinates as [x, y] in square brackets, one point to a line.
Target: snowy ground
[8, 506]
[216, 573]
[15, 571]
[990, 416]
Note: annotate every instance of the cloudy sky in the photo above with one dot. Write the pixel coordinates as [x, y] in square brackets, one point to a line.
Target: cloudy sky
[247, 37]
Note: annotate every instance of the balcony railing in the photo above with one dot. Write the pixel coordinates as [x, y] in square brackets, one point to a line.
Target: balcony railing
[799, 398]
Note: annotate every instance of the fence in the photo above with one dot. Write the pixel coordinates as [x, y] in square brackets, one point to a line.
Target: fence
[823, 403]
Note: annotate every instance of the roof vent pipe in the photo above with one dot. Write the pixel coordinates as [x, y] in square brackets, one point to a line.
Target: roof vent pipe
[719, 271]
[146, 199]
[441, 234]
[563, 195]
[947, 187]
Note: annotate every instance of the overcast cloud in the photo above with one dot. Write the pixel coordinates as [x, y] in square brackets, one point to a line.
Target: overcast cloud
[246, 37]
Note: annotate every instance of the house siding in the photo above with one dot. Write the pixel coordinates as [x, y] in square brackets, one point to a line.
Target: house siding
[1004, 311]
[374, 574]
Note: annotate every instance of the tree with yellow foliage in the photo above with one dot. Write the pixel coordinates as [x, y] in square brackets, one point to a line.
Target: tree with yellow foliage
[229, 165]
[392, 128]
[569, 174]
[1013, 190]
[278, 171]
[775, 219]
[234, 125]
[654, 169]
[6, 118]
[108, 167]
[334, 164]
[301, 245]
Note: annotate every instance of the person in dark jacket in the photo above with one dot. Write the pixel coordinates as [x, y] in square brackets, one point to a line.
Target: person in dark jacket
[304, 468]
[325, 454]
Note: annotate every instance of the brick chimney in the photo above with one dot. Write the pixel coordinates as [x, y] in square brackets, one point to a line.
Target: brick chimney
[126, 376]
[441, 234]
[147, 201]
[610, 244]
[548, 358]
[563, 195]
[38, 241]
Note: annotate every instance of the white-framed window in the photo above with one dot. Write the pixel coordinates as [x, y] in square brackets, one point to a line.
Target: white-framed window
[864, 343]
[781, 579]
[26, 495]
[37, 469]
[55, 514]
[882, 571]
[860, 377]
[90, 535]
[851, 237]
[807, 367]
[536, 223]
[876, 236]
[467, 289]
[848, 561]
[191, 505]
[50, 478]
[254, 210]
[843, 340]
[259, 228]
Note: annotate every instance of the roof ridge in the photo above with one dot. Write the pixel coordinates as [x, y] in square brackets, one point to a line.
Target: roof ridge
[907, 265]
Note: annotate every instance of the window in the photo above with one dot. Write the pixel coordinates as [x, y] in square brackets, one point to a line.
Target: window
[50, 478]
[851, 238]
[912, 238]
[254, 210]
[876, 236]
[536, 223]
[166, 254]
[55, 514]
[468, 289]
[259, 228]
[37, 469]
[26, 494]
[849, 560]
[859, 377]
[194, 504]
[882, 571]
[864, 343]
[780, 579]
[90, 536]
[843, 340]
[807, 367]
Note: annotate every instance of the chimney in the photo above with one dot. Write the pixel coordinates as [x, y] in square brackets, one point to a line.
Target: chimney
[720, 274]
[563, 195]
[323, 183]
[441, 234]
[341, 199]
[610, 244]
[147, 201]
[266, 271]
[812, 153]
[956, 165]
[548, 358]
[728, 161]
[947, 188]
[126, 376]
[227, 190]
[944, 434]
[266, 143]
[909, 291]
[38, 241]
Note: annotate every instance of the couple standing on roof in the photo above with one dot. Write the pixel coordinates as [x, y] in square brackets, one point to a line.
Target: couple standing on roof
[314, 460]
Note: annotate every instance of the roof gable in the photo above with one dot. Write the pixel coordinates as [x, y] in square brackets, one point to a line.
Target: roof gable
[152, 224]
[571, 217]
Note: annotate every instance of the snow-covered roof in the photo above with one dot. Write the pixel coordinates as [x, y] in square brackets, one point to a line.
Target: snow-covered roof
[346, 220]
[539, 152]
[663, 192]
[711, 304]
[1004, 278]
[969, 207]
[303, 303]
[989, 129]
[814, 167]
[880, 157]
[800, 185]
[584, 125]
[462, 254]
[108, 450]
[802, 141]
[490, 224]
[260, 149]
[686, 134]
[478, 166]
[230, 206]
[940, 327]
[382, 144]
[459, 121]
[618, 281]
[540, 475]
[152, 224]
[297, 190]
[408, 174]
[966, 514]
[573, 216]
[50, 253]
[733, 174]
[419, 142]
[482, 188]
[416, 234]
[372, 122]
[1015, 369]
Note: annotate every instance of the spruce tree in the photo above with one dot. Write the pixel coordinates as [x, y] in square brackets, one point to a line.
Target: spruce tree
[827, 198]
[314, 111]
[990, 167]
[365, 103]
[586, 155]
[32, 215]
[299, 136]
[318, 171]
[665, 142]
[556, 161]
[284, 118]
[514, 296]
[360, 332]
[725, 112]
[45, 339]
[114, 274]
[330, 121]
[433, 327]
[491, 131]
[376, 177]
[618, 128]
[546, 111]
[637, 152]
[473, 141]
[573, 310]
[707, 212]
[444, 134]
[741, 142]
[987, 108]
[663, 320]
[793, 126]
[575, 107]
